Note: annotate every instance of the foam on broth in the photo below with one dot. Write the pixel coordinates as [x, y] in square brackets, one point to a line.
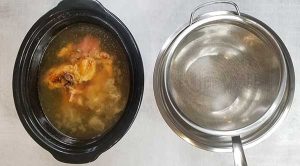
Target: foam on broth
[84, 81]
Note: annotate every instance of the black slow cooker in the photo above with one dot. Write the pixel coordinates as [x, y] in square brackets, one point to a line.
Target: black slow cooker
[25, 80]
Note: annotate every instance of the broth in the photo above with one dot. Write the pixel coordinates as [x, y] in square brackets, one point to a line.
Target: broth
[84, 81]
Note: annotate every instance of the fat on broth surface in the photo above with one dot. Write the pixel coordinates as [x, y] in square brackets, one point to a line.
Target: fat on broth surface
[84, 81]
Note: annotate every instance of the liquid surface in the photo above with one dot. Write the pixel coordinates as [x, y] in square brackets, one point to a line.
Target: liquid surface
[84, 81]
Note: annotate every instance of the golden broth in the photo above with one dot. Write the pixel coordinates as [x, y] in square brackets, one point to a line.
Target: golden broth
[84, 81]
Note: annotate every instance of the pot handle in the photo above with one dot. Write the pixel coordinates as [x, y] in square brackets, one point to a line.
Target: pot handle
[80, 4]
[238, 152]
[75, 158]
[212, 3]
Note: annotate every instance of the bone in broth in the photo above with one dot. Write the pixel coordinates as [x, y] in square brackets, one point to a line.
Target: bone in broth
[84, 81]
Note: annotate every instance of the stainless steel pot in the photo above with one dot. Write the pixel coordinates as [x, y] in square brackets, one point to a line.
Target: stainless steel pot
[224, 81]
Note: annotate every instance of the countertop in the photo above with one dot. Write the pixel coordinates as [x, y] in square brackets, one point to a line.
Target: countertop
[149, 142]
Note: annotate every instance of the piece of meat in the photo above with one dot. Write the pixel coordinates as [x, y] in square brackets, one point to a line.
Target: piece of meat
[62, 77]
[86, 68]
[106, 62]
[78, 79]
[68, 75]
[75, 96]
[88, 46]
[68, 50]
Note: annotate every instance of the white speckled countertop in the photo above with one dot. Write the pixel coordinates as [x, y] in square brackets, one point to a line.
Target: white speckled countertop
[149, 142]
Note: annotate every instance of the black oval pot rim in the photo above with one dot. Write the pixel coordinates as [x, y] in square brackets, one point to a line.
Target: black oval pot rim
[60, 150]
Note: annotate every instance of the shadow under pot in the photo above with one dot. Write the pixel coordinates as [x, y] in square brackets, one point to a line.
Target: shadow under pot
[78, 81]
